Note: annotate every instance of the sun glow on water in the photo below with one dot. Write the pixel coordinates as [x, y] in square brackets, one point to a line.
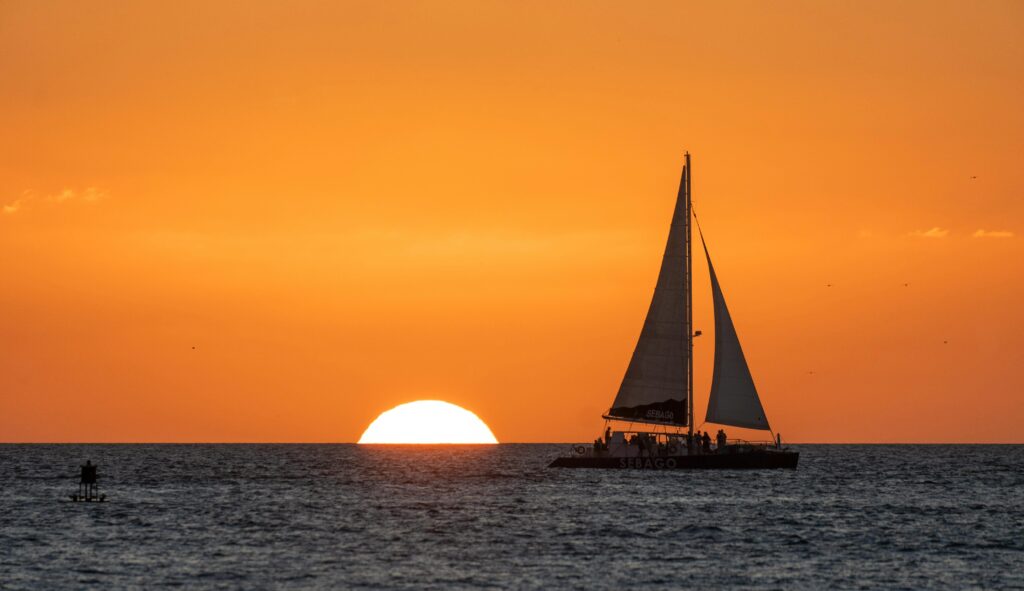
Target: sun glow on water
[428, 421]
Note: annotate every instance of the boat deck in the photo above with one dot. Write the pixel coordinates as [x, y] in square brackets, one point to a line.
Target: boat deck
[749, 459]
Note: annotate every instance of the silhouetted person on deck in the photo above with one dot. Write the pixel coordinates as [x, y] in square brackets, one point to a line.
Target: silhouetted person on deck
[722, 440]
[707, 442]
[607, 435]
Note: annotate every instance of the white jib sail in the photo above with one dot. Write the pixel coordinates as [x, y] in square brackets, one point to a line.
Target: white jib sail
[734, 399]
[655, 386]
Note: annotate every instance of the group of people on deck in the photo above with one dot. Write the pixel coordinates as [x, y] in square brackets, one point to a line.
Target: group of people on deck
[649, 445]
[701, 442]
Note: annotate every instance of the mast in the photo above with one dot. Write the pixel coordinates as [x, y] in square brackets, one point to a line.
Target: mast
[689, 303]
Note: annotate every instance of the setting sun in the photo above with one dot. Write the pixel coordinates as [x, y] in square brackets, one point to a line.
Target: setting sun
[428, 421]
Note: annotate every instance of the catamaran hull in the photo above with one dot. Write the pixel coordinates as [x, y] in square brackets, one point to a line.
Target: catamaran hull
[740, 461]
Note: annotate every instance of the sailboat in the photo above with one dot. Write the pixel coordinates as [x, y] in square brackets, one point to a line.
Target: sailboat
[655, 399]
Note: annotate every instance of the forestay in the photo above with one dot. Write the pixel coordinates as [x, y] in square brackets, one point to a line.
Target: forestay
[655, 387]
[734, 399]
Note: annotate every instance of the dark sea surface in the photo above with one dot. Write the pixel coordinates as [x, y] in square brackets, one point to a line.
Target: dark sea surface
[442, 517]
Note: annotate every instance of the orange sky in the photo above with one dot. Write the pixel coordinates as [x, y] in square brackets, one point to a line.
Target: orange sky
[344, 207]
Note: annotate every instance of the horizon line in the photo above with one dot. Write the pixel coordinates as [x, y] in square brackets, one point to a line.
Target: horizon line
[476, 444]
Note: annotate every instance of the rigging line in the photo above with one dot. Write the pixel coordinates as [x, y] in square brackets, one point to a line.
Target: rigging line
[699, 231]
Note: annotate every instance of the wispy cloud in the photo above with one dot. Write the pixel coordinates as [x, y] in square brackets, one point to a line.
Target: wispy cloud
[87, 195]
[935, 232]
[993, 234]
[13, 207]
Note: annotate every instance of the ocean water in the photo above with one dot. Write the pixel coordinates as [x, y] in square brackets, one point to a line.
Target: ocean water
[346, 516]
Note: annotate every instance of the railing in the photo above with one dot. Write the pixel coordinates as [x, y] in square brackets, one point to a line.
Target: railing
[745, 442]
[675, 446]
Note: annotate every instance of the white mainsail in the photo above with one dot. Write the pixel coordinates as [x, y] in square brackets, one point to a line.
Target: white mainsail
[655, 387]
[734, 399]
